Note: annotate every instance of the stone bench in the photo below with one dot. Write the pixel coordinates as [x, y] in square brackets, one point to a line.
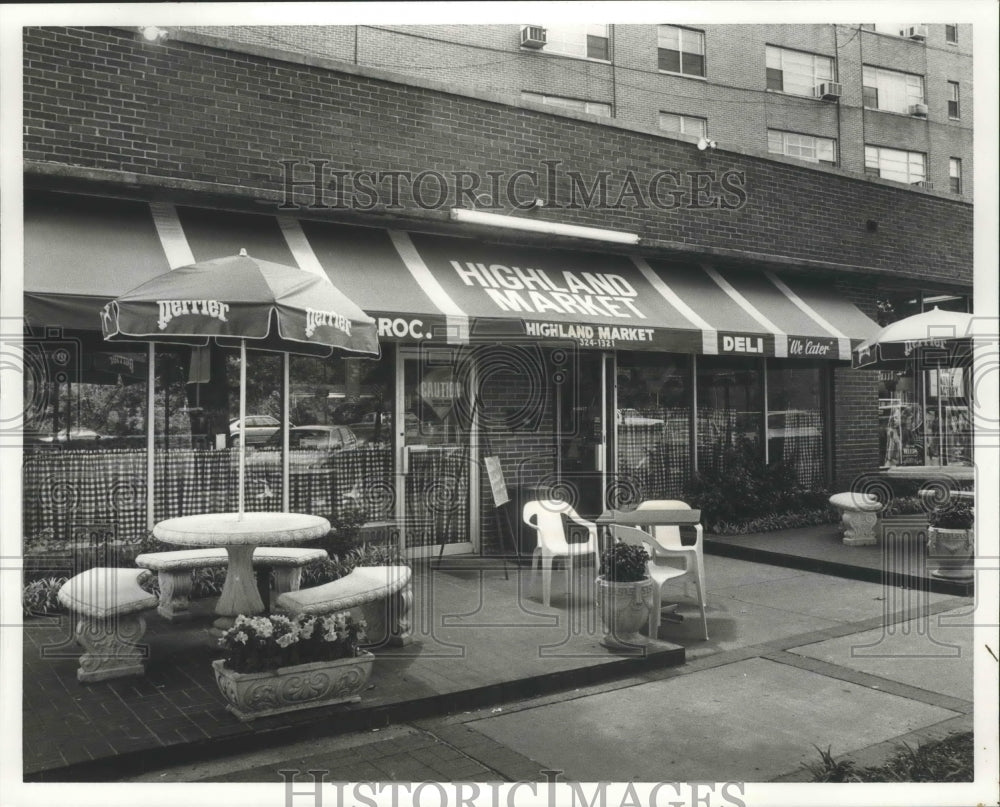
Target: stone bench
[382, 594]
[174, 572]
[108, 603]
[858, 516]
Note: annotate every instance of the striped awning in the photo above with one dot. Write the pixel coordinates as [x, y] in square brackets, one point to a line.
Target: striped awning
[82, 251]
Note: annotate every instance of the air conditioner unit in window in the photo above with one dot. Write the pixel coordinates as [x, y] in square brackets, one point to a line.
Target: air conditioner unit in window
[829, 91]
[532, 36]
[924, 184]
[918, 110]
[918, 33]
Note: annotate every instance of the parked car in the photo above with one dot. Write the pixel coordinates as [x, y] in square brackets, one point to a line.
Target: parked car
[365, 428]
[309, 447]
[77, 434]
[631, 417]
[258, 429]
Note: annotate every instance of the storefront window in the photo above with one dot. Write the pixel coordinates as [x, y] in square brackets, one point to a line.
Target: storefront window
[84, 440]
[795, 419]
[924, 417]
[340, 438]
[653, 423]
[730, 409]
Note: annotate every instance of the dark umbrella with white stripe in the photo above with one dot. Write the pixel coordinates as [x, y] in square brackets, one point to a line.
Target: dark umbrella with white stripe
[240, 300]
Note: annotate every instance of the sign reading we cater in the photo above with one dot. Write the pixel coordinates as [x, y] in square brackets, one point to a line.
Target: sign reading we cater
[816, 347]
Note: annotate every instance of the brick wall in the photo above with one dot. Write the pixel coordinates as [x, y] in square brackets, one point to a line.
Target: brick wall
[732, 96]
[100, 98]
[516, 426]
[855, 403]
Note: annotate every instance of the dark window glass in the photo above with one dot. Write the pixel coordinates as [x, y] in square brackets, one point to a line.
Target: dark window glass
[775, 79]
[956, 184]
[795, 419]
[872, 172]
[694, 64]
[670, 60]
[653, 424]
[730, 410]
[597, 47]
[953, 109]
[951, 33]
[870, 97]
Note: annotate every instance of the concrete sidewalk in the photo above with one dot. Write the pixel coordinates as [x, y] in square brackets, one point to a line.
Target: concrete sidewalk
[795, 659]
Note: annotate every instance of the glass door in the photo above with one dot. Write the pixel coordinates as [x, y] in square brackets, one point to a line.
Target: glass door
[583, 439]
[433, 430]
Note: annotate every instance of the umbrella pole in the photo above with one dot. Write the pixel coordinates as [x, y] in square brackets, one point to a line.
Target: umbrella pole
[243, 425]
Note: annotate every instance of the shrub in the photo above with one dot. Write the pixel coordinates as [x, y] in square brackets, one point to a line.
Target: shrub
[624, 563]
[958, 515]
[40, 597]
[776, 521]
[342, 564]
[947, 760]
[741, 486]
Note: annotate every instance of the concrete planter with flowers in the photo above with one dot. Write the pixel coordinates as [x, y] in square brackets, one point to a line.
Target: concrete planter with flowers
[624, 596]
[276, 664]
[951, 541]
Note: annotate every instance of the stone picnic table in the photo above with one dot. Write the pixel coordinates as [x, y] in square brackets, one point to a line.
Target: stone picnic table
[240, 534]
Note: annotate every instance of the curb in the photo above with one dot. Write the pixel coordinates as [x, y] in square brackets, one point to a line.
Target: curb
[835, 569]
[108, 769]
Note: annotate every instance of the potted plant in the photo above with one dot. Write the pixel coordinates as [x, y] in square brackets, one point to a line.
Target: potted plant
[624, 595]
[276, 663]
[950, 540]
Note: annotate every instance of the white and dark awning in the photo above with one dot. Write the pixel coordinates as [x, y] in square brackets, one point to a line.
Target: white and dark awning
[80, 252]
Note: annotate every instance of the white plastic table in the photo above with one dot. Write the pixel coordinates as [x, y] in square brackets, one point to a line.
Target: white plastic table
[240, 535]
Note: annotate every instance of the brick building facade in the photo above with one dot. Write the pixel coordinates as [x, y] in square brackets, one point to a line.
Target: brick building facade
[259, 121]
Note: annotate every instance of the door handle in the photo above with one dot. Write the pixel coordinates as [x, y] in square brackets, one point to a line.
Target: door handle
[599, 451]
[407, 451]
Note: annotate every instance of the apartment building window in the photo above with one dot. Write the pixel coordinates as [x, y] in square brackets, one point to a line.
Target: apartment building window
[681, 50]
[951, 34]
[796, 72]
[907, 30]
[684, 124]
[954, 110]
[585, 41]
[902, 166]
[890, 90]
[593, 107]
[802, 147]
[955, 174]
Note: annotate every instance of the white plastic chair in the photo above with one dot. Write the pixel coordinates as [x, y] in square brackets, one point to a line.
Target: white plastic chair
[660, 573]
[669, 548]
[546, 517]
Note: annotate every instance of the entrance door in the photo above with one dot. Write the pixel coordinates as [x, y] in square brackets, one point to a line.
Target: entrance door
[583, 435]
[433, 427]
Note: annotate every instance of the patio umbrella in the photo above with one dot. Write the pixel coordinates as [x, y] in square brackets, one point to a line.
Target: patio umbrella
[934, 339]
[935, 336]
[240, 300]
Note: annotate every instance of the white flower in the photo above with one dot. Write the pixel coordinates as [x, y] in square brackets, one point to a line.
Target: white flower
[241, 637]
[306, 628]
[287, 639]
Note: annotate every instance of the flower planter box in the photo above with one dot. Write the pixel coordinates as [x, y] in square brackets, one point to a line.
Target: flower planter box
[287, 689]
